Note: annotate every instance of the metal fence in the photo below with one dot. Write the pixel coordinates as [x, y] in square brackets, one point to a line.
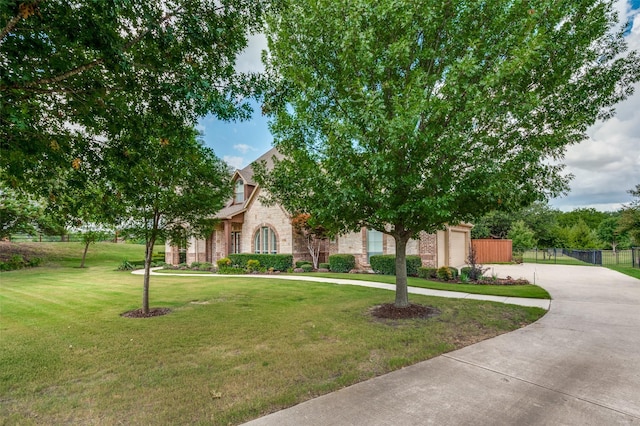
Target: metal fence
[629, 257]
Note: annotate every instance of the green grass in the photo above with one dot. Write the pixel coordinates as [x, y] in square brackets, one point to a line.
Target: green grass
[231, 350]
[559, 259]
[627, 270]
[182, 271]
[531, 291]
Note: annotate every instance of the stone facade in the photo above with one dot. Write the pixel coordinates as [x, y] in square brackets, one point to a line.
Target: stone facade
[246, 216]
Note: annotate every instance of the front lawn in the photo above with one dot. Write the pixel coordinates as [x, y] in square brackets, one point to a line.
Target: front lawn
[530, 291]
[232, 349]
[627, 270]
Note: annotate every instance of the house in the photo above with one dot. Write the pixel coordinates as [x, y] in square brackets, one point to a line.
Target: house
[247, 225]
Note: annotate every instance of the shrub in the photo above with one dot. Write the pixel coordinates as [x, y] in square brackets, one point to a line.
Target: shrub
[197, 266]
[386, 264]
[323, 266]
[279, 262]
[125, 266]
[231, 270]
[444, 273]
[474, 273]
[307, 267]
[223, 262]
[454, 272]
[427, 273]
[383, 264]
[17, 262]
[34, 261]
[299, 263]
[253, 265]
[342, 262]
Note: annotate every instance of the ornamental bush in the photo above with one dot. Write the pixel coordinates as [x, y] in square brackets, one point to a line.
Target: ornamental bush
[253, 265]
[323, 266]
[279, 262]
[299, 263]
[307, 267]
[444, 273]
[386, 264]
[223, 262]
[342, 262]
[447, 273]
[474, 273]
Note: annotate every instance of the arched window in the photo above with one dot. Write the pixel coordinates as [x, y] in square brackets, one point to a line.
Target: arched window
[265, 241]
[239, 192]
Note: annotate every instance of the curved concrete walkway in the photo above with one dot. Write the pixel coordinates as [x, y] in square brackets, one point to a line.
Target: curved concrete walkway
[578, 365]
[522, 301]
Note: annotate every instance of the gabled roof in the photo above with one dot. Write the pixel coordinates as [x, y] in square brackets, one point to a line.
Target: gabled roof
[246, 174]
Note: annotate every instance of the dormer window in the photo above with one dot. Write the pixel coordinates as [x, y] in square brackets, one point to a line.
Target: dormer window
[239, 192]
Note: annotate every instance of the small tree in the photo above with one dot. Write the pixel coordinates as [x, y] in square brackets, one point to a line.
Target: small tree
[522, 237]
[314, 235]
[168, 188]
[609, 232]
[88, 238]
[630, 217]
[475, 271]
[581, 236]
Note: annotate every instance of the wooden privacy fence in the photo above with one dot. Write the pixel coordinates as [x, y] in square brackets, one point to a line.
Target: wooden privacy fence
[492, 251]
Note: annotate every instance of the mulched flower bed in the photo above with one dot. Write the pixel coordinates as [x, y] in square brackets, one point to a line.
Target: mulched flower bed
[390, 311]
[139, 313]
[502, 281]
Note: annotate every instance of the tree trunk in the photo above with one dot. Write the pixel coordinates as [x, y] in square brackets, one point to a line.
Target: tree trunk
[313, 245]
[84, 255]
[147, 273]
[402, 293]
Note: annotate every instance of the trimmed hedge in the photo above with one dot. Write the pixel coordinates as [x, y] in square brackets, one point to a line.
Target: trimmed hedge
[299, 263]
[386, 264]
[342, 262]
[323, 266]
[279, 262]
[427, 273]
[307, 267]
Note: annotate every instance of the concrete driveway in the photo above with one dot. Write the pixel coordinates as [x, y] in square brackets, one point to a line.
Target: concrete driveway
[578, 365]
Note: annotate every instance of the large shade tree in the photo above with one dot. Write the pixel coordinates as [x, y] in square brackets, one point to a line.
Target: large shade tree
[74, 73]
[404, 116]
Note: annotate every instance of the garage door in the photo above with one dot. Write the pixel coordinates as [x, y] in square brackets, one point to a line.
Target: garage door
[457, 249]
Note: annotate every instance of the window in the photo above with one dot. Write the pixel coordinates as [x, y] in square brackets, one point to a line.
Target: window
[235, 242]
[374, 243]
[239, 192]
[265, 241]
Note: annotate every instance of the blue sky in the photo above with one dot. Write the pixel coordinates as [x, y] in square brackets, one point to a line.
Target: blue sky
[605, 166]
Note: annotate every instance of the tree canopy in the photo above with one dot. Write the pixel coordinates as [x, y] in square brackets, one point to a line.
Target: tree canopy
[167, 188]
[405, 116]
[630, 218]
[75, 73]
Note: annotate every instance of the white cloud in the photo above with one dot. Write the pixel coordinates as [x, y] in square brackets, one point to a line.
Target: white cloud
[235, 162]
[607, 164]
[249, 60]
[243, 148]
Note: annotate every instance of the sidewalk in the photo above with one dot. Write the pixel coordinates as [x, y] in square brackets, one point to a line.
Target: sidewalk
[540, 303]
